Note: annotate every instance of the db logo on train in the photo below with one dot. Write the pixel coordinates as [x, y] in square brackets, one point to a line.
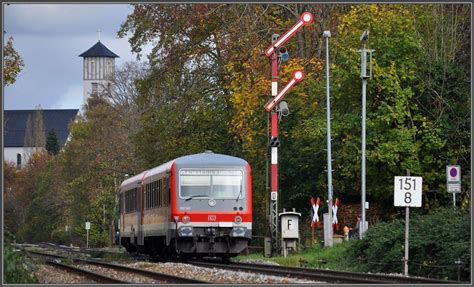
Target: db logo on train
[211, 217]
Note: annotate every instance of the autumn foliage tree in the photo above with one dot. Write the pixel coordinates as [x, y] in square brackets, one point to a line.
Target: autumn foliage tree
[207, 80]
[12, 63]
[210, 57]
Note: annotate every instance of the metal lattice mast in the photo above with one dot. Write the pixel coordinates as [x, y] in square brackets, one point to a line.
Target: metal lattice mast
[274, 158]
[272, 52]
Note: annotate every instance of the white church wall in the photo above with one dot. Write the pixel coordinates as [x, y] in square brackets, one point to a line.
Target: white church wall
[101, 85]
[10, 154]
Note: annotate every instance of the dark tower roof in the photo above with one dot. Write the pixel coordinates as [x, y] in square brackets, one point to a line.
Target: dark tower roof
[15, 125]
[99, 50]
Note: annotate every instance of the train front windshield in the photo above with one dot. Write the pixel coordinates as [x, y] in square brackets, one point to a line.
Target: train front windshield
[218, 184]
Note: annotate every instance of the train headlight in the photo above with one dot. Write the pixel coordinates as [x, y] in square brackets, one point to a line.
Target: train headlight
[186, 219]
[238, 219]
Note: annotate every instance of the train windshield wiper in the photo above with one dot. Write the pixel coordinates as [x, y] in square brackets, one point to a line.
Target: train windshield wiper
[240, 191]
[196, 195]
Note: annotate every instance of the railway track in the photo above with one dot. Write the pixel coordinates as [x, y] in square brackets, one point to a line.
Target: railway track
[89, 274]
[90, 251]
[329, 276]
[322, 275]
[81, 263]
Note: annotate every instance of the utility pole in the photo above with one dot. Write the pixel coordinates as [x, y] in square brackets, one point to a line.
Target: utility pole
[327, 35]
[363, 74]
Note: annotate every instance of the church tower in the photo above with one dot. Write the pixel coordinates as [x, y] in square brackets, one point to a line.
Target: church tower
[99, 69]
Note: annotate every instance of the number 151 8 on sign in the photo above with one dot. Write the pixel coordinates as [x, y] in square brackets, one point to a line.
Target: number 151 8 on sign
[407, 191]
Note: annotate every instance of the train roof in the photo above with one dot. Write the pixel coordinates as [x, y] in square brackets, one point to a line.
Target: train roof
[210, 158]
[134, 179]
[206, 158]
[160, 169]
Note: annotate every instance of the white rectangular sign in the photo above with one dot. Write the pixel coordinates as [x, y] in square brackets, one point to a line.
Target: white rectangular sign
[273, 195]
[407, 191]
[88, 225]
[454, 187]
[274, 155]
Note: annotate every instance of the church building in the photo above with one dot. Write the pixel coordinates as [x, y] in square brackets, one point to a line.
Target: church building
[98, 76]
[98, 70]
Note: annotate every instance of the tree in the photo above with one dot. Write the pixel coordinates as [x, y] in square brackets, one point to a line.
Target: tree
[12, 63]
[39, 137]
[124, 96]
[52, 144]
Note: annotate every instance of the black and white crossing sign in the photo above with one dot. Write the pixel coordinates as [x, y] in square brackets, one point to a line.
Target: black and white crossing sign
[407, 191]
[453, 178]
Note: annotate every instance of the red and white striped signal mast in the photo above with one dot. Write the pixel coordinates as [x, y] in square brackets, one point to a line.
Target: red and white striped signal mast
[272, 52]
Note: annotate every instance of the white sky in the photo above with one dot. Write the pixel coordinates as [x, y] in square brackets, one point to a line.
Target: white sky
[49, 38]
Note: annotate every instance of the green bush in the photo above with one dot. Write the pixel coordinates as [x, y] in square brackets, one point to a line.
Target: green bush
[436, 241]
[100, 239]
[60, 236]
[16, 269]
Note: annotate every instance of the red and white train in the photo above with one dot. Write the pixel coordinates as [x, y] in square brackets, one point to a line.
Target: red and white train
[192, 206]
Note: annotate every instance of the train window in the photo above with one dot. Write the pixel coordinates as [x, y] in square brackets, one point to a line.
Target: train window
[168, 193]
[195, 185]
[134, 202]
[130, 198]
[152, 200]
[136, 199]
[159, 192]
[226, 186]
[211, 183]
[155, 199]
[153, 195]
[165, 189]
[126, 202]
[148, 196]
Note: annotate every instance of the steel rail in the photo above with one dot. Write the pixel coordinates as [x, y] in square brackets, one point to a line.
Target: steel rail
[89, 274]
[152, 274]
[330, 276]
[271, 270]
[46, 254]
[90, 251]
[382, 277]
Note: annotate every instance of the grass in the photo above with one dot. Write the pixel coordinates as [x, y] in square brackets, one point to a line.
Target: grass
[318, 257]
